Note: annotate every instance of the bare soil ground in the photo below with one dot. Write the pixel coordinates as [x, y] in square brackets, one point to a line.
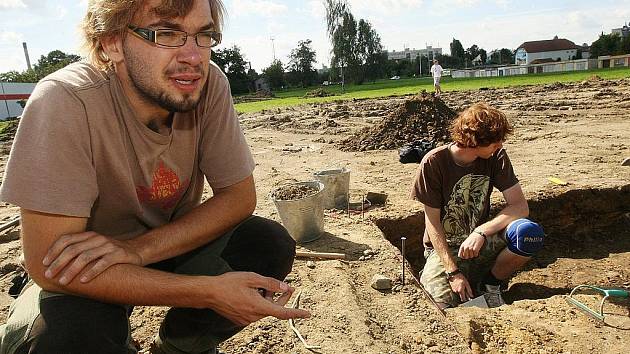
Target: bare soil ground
[579, 133]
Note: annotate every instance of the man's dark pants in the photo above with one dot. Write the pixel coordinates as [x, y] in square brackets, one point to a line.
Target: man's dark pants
[69, 324]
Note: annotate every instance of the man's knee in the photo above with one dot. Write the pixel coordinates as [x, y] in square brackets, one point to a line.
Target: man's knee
[265, 233]
[524, 237]
[261, 245]
[69, 324]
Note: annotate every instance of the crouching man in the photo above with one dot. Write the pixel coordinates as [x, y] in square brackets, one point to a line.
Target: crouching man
[108, 168]
[466, 253]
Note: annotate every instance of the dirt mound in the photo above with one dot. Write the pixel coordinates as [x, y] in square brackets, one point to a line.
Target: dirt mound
[555, 86]
[259, 95]
[8, 132]
[318, 93]
[420, 117]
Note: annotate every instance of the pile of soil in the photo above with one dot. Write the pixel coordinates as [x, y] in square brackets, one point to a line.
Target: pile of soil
[318, 93]
[259, 95]
[421, 117]
[555, 86]
[8, 132]
[294, 191]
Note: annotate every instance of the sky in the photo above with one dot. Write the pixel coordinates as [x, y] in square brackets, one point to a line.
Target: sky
[264, 28]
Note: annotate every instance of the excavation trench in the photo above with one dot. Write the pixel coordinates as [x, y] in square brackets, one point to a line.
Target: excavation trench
[581, 225]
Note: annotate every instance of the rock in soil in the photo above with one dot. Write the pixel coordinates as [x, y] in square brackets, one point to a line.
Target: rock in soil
[381, 282]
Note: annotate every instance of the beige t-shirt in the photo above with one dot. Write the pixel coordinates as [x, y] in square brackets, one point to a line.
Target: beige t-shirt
[461, 193]
[80, 151]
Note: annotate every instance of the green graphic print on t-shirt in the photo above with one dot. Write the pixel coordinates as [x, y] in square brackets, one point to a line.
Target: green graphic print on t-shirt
[465, 207]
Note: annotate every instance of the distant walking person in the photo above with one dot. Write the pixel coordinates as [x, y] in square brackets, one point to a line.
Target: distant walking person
[436, 72]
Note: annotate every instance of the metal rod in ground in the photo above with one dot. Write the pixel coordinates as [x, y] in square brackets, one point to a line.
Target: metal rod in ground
[414, 278]
[362, 205]
[11, 223]
[348, 204]
[402, 239]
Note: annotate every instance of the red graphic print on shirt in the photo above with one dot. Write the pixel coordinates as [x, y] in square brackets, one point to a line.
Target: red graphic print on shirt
[166, 189]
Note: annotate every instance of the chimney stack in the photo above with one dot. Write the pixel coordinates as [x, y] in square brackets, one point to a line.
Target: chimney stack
[28, 60]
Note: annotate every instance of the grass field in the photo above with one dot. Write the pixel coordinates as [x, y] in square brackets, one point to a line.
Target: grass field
[384, 88]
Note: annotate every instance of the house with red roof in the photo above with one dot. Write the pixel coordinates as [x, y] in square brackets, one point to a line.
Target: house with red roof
[556, 49]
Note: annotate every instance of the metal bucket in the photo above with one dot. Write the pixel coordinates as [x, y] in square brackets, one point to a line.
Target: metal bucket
[336, 187]
[303, 218]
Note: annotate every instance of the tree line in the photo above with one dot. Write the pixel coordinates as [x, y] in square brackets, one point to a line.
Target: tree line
[361, 59]
[47, 64]
[357, 57]
[610, 44]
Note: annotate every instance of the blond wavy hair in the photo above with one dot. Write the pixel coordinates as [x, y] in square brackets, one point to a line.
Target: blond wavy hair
[480, 125]
[106, 18]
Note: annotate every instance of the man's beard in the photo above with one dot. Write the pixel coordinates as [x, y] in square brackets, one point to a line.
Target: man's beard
[147, 87]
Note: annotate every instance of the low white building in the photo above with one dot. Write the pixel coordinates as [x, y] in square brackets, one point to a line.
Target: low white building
[550, 67]
[556, 49]
[12, 97]
[613, 61]
[412, 54]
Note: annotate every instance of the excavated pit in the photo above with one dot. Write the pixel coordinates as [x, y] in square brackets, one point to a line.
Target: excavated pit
[583, 227]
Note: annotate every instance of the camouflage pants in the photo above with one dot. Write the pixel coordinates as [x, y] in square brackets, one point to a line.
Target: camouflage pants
[51, 323]
[433, 276]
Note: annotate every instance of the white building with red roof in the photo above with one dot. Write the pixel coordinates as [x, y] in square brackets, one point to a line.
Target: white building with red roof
[556, 49]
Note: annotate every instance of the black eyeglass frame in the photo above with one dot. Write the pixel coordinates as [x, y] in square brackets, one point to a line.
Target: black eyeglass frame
[150, 35]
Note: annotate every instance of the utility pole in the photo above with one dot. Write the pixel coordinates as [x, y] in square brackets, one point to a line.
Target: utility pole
[273, 47]
[28, 60]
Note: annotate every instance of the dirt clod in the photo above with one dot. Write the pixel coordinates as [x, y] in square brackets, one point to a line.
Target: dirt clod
[381, 282]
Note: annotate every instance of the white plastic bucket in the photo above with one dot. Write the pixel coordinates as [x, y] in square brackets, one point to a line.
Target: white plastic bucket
[304, 217]
[336, 187]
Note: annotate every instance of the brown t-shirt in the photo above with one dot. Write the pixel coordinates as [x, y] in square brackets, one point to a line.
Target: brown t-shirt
[80, 151]
[461, 193]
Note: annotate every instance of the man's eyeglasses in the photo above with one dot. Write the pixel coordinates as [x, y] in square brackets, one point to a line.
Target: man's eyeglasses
[173, 38]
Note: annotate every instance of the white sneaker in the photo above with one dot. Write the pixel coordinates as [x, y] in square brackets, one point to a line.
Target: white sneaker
[492, 294]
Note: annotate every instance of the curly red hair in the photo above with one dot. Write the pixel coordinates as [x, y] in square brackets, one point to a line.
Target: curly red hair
[480, 125]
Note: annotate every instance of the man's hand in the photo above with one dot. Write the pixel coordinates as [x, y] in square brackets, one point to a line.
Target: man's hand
[71, 254]
[237, 296]
[471, 246]
[460, 285]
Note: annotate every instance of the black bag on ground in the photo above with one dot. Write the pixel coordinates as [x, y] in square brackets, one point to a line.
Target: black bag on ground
[19, 281]
[414, 152]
